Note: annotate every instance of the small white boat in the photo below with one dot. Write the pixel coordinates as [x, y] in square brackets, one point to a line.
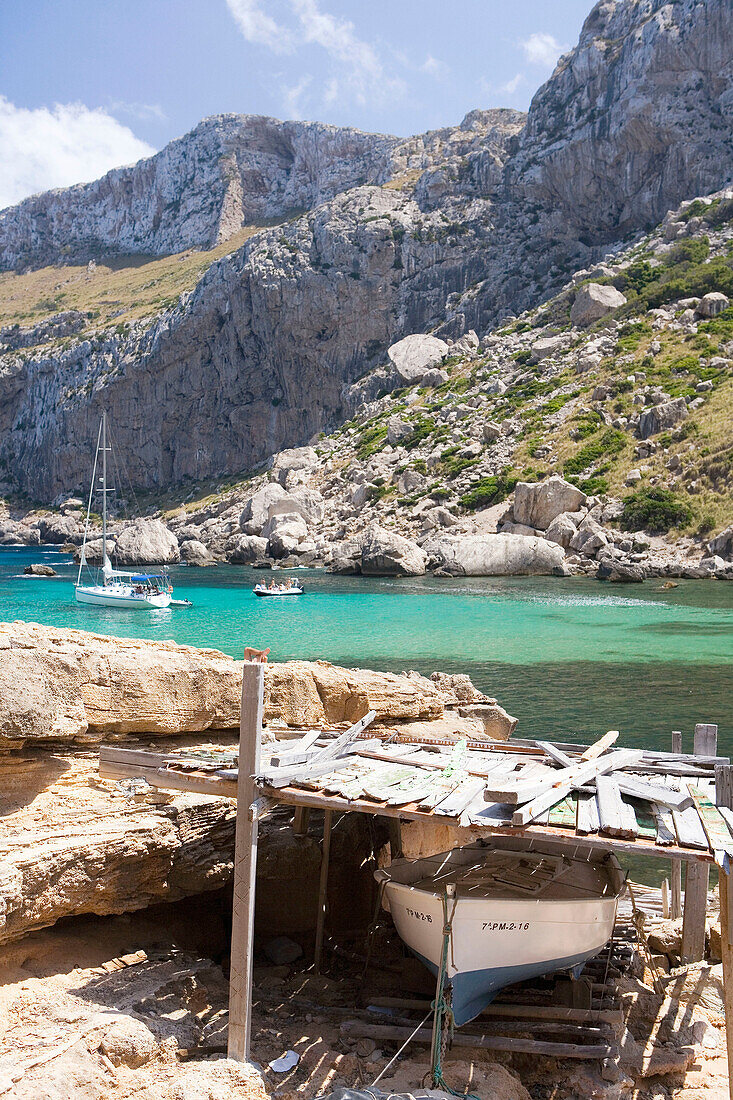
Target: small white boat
[272, 589]
[115, 587]
[516, 911]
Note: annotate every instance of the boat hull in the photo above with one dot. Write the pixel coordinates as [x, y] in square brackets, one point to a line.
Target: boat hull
[497, 942]
[101, 597]
[278, 595]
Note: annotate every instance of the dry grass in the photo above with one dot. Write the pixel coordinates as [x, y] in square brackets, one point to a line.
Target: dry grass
[405, 181]
[126, 288]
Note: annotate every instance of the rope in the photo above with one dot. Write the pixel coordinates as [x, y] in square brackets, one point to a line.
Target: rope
[396, 1056]
[443, 1022]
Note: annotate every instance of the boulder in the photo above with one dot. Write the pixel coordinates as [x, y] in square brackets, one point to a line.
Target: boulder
[722, 544]
[146, 541]
[308, 503]
[195, 553]
[245, 549]
[619, 572]
[593, 301]
[414, 356]
[387, 554]
[562, 529]
[498, 725]
[56, 530]
[547, 346]
[661, 417]
[712, 304]
[492, 431]
[397, 430]
[296, 458]
[93, 551]
[284, 533]
[537, 504]
[256, 511]
[37, 570]
[435, 378]
[495, 555]
[129, 1042]
[589, 538]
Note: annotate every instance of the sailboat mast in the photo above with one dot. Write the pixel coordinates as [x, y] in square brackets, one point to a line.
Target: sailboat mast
[104, 489]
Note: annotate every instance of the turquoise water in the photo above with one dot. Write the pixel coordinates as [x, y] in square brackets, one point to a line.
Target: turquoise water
[570, 658]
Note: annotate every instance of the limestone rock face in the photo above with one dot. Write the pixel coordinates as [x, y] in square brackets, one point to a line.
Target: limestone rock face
[311, 693]
[146, 542]
[387, 554]
[593, 302]
[561, 530]
[537, 504]
[496, 555]
[246, 549]
[414, 356]
[661, 417]
[69, 685]
[256, 511]
[284, 533]
[722, 544]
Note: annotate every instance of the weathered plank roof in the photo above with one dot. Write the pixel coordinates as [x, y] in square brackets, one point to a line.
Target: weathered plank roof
[645, 801]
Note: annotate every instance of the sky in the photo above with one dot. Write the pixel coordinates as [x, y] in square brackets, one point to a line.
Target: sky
[88, 85]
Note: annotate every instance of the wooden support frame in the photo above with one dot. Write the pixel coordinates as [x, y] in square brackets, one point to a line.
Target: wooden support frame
[675, 900]
[697, 879]
[245, 865]
[724, 797]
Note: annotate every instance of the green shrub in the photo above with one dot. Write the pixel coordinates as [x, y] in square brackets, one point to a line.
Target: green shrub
[522, 357]
[655, 510]
[488, 491]
[371, 441]
[694, 250]
[722, 325]
[610, 443]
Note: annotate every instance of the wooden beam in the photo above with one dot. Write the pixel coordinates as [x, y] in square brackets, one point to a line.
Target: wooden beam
[675, 900]
[395, 837]
[323, 891]
[245, 865]
[384, 1032]
[697, 879]
[570, 778]
[301, 820]
[724, 797]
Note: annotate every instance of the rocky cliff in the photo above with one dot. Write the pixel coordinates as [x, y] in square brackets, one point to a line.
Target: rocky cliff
[448, 232]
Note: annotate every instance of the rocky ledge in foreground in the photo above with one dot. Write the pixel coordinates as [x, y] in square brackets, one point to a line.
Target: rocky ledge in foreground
[72, 843]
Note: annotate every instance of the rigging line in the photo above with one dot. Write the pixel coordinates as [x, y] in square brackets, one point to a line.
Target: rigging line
[89, 506]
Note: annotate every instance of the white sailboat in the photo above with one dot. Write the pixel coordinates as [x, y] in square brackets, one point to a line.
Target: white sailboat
[515, 910]
[115, 587]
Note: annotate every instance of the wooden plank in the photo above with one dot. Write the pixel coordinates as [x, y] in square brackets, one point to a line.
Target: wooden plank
[705, 740]
[386, 1032]
[600, 746]
[245, 866]
[612, 810]
[564, 814]
[301, 820]
[555, 753]
[588, 818]
[666, 834]
[716, 829]
[322, 891]
[569, 778]
[689, 830]
[636, 787]
[295, 752]
[457, 801]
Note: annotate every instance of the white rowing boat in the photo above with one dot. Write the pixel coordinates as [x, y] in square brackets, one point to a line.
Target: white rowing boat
[515, 910]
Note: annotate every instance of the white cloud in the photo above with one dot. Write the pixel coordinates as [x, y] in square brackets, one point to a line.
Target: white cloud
[433, 67]
[543, 49]
[511, 85]
[257, 26]
[292, 97]
[357, 71]
[57, 146]
[145, 112]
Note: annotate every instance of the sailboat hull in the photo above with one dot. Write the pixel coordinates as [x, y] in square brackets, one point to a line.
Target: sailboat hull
[101, 596]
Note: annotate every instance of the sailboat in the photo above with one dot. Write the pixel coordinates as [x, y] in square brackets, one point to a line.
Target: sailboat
[116, 588]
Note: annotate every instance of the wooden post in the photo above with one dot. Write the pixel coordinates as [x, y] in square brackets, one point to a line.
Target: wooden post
[724, 797]
[322, 891]
[301, 820]
[675, 901]
[698, 874]
[245, 865]
[395, 837]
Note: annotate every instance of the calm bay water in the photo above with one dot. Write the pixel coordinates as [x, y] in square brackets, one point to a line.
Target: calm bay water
[571, 658]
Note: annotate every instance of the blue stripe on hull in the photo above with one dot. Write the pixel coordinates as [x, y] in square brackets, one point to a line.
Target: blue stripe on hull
[475, 989]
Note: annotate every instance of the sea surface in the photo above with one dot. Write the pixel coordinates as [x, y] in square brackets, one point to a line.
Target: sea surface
[570, 657]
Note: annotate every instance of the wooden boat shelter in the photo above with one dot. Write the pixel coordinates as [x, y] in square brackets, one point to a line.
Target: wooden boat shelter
[676, 806]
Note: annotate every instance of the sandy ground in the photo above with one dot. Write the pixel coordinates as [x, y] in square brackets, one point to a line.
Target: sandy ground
[76, 1028]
